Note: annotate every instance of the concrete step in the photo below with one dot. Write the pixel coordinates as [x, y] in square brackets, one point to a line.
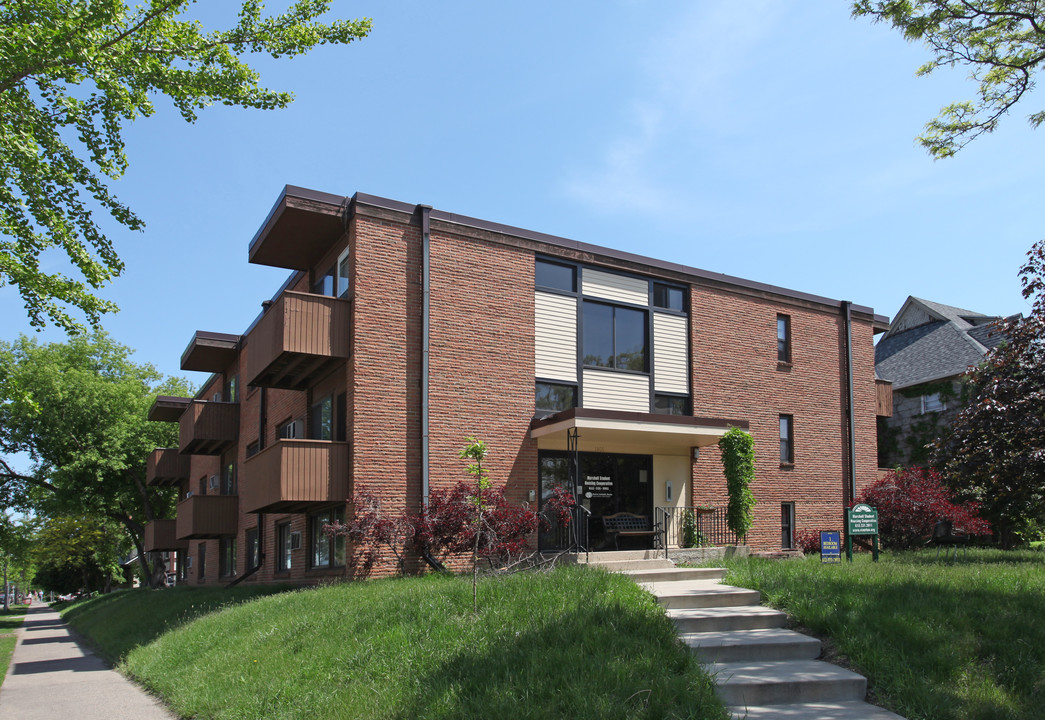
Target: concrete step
[852, 710]
[676, 573]
[754, 645]
[628, 566]
[601, 557]
[753, 617]
[701, 594]
[775, 682]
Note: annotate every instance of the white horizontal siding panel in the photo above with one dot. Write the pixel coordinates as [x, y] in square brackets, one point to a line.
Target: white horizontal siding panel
[555, 337]
[611, 286]
[615, 391]
[670, 360]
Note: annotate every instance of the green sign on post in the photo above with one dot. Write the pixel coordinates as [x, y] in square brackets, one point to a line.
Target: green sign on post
[861, 519]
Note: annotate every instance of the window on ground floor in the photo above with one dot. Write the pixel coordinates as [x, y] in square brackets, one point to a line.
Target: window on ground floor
[787, 526]
[253, 549]
[326, 551]
[227, 556]
[284, 547]
[201, 562]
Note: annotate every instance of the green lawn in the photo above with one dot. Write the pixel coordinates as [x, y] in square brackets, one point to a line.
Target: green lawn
[9, 622]
[938, 640]
[575, 642]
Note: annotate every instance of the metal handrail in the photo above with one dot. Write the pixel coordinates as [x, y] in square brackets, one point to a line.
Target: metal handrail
[580, 542]
[711, 526]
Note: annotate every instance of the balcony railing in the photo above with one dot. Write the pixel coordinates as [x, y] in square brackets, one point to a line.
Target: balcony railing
[709, 527]
[161, 536]
[166, 466]
[207, 516]
[208, 428]
[294, 475]
[299, 338]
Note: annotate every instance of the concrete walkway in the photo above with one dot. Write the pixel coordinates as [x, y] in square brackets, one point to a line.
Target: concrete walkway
[53, 676]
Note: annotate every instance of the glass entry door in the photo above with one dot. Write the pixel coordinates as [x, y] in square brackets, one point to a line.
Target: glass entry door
[609, 484]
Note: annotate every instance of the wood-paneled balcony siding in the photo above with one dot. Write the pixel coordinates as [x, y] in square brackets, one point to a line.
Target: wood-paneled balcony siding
[299, 338]
[885, 397]
[295, 475]
[161, 536]
[166, 466]
[207, 516]
[208, 428]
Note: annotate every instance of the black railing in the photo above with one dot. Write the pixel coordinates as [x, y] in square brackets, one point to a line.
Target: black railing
[709, 527]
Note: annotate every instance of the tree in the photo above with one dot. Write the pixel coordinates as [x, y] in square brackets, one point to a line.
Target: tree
[1001, 41]
[15, 559]
[78, 410]
[79, 553]
[738, 465]
[75, 69]
[995, 454]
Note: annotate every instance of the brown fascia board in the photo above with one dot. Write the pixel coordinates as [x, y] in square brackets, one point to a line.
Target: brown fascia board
[625, 416]
[210, 351]
[299, 229]
[167, 408]
[879, 322]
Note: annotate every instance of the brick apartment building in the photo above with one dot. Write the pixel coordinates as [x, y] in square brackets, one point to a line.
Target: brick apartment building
[402, 329]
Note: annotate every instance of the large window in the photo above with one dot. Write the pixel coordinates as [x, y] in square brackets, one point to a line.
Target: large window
[201, 562]
[326, 551]
[615, 337]
[783, 338]
[284, 547]
[321, 419]
[555, 276]
[787, 439]
[227, 556]
[553, 397]
[253, 549]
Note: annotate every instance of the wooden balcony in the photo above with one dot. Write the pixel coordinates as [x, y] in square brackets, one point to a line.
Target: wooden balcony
[160, 536]
[208, 428]
[207, 516]
[300, 338]
[885, 397]
[295, 475]
[210, 352]
[166, 466]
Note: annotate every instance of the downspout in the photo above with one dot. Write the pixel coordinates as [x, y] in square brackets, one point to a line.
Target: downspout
[847, 307]
[426, 306]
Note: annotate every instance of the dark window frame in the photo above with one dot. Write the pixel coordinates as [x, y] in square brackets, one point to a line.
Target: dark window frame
[659, 289]
[284, 547]
[252, 549]
[201, 562]
[227, 556]
[787, 440]
[687, 408]
[334, 545]
[787, 525]
[587, 325]
[572, 290]
[313, 430]
[783, 344]
[539, 411]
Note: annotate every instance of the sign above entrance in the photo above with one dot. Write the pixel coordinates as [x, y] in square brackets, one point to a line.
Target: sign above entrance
[598, 486]
[863, 520]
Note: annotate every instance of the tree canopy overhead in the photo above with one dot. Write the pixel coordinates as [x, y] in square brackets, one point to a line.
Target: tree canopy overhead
[1002, 42]
[72, 73]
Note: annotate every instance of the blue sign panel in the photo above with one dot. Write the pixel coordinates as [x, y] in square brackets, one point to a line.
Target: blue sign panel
[830, 546]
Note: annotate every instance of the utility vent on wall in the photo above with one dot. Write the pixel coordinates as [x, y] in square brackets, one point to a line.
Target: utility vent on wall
[295, 540]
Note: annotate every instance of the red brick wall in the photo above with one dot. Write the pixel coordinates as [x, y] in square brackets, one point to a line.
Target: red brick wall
[736, 375]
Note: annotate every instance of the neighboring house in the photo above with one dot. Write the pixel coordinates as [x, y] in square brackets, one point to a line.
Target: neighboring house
[926, 350]
[402, 329]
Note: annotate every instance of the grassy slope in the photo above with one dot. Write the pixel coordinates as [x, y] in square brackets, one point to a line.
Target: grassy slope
[572, 643]
[9, 622]
[940, 641]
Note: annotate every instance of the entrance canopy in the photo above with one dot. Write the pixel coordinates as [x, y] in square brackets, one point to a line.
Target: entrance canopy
[613, 431]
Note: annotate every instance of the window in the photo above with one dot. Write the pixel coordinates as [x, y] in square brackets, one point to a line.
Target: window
[292, 429]
[201, 564]
[783, 338]
[787, 526]
[665, 296]
[284, 547]
[326, 551]
[253, 549]
[228, 478]
[553, 397]
[324, 284]
[555, 276]
[787, 439]
[321, 420]
[231, 391]
[933, 403]
[227, 556]
[615, 337]
[671, 405]
[341, 417]
[342, 274]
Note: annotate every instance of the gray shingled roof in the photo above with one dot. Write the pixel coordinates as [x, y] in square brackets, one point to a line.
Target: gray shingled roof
[953, 341]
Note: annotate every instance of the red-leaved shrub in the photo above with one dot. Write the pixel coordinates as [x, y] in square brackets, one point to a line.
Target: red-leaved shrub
[911, 501]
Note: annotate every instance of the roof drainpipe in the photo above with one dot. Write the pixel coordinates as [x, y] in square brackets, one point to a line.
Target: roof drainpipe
[426, 297]
[847, 307]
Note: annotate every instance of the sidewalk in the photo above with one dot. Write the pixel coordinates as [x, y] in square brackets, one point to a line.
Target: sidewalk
[54, 676]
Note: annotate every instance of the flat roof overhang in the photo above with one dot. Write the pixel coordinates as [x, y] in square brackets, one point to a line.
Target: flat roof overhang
[166, 408]
[299, 229]
[630, 432]
[210, 351]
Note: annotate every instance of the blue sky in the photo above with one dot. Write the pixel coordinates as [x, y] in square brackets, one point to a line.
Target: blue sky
[769, 140]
